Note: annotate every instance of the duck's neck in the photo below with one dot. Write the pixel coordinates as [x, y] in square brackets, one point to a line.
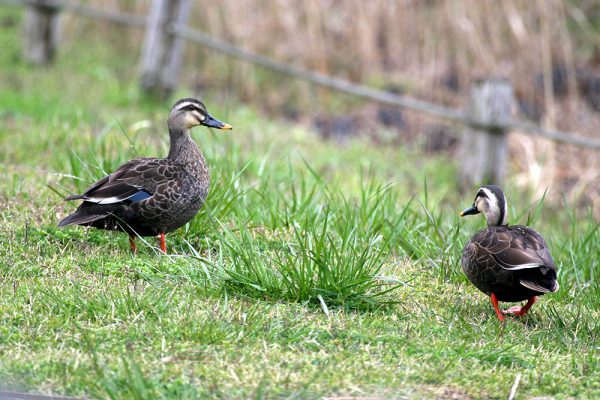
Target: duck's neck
[497, 215]
[493, 220]
[183, 149]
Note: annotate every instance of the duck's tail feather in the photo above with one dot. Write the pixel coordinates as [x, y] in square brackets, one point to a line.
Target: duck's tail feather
[79, 218]
[546, 286]
[75, 197]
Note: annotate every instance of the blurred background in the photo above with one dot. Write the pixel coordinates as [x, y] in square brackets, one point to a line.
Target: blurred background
[549, 51]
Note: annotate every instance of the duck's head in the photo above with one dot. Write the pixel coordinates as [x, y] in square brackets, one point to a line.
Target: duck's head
[491, 202]
[188, 113]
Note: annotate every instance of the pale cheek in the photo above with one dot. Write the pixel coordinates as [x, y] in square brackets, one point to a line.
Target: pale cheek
[480, 205]
[190, 122]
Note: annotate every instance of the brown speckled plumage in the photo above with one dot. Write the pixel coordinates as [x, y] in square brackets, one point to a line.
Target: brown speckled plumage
[152, 196]
[508, 263]
[489, 256]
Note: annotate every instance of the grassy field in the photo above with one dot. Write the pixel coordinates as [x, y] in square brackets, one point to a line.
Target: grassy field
[313, 270]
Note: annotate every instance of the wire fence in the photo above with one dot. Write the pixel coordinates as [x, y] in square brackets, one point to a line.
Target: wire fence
[380, 96]
[333, 83]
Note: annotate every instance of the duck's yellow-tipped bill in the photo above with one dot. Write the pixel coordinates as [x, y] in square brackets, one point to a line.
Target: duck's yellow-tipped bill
[212, 122]
[469, 211]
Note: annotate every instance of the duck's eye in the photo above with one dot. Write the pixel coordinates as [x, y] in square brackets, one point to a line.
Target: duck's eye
[481, 193]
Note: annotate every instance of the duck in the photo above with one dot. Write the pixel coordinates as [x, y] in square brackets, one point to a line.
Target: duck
[507, 263]
[152, 196]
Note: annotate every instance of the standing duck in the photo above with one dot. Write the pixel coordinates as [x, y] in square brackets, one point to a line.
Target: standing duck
[152, 196]
[508, 263]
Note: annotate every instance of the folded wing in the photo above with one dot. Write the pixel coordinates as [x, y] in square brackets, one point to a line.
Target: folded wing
[132, 182]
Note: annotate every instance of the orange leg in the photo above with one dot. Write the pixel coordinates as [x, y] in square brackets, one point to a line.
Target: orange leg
[521, 311]
[163, 243]
[496, 308]
[132, 244]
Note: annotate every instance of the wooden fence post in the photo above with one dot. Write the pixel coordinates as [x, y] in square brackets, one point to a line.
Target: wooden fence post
[40, 32]
[485, 148]
[162, 50]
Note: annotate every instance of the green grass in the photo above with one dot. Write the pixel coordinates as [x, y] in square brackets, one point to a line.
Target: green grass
[313, 270]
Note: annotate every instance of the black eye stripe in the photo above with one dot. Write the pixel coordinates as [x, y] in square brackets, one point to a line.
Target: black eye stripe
[192, 107]
[481, 193]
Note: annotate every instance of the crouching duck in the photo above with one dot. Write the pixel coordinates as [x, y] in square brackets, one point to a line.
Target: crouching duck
[507, 263]
[152, 196]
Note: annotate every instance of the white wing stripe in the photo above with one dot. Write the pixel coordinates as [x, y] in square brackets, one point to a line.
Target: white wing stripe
[107, 200]
[511, 267]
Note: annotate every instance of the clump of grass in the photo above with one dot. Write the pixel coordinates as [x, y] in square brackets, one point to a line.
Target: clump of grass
[334, 253]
